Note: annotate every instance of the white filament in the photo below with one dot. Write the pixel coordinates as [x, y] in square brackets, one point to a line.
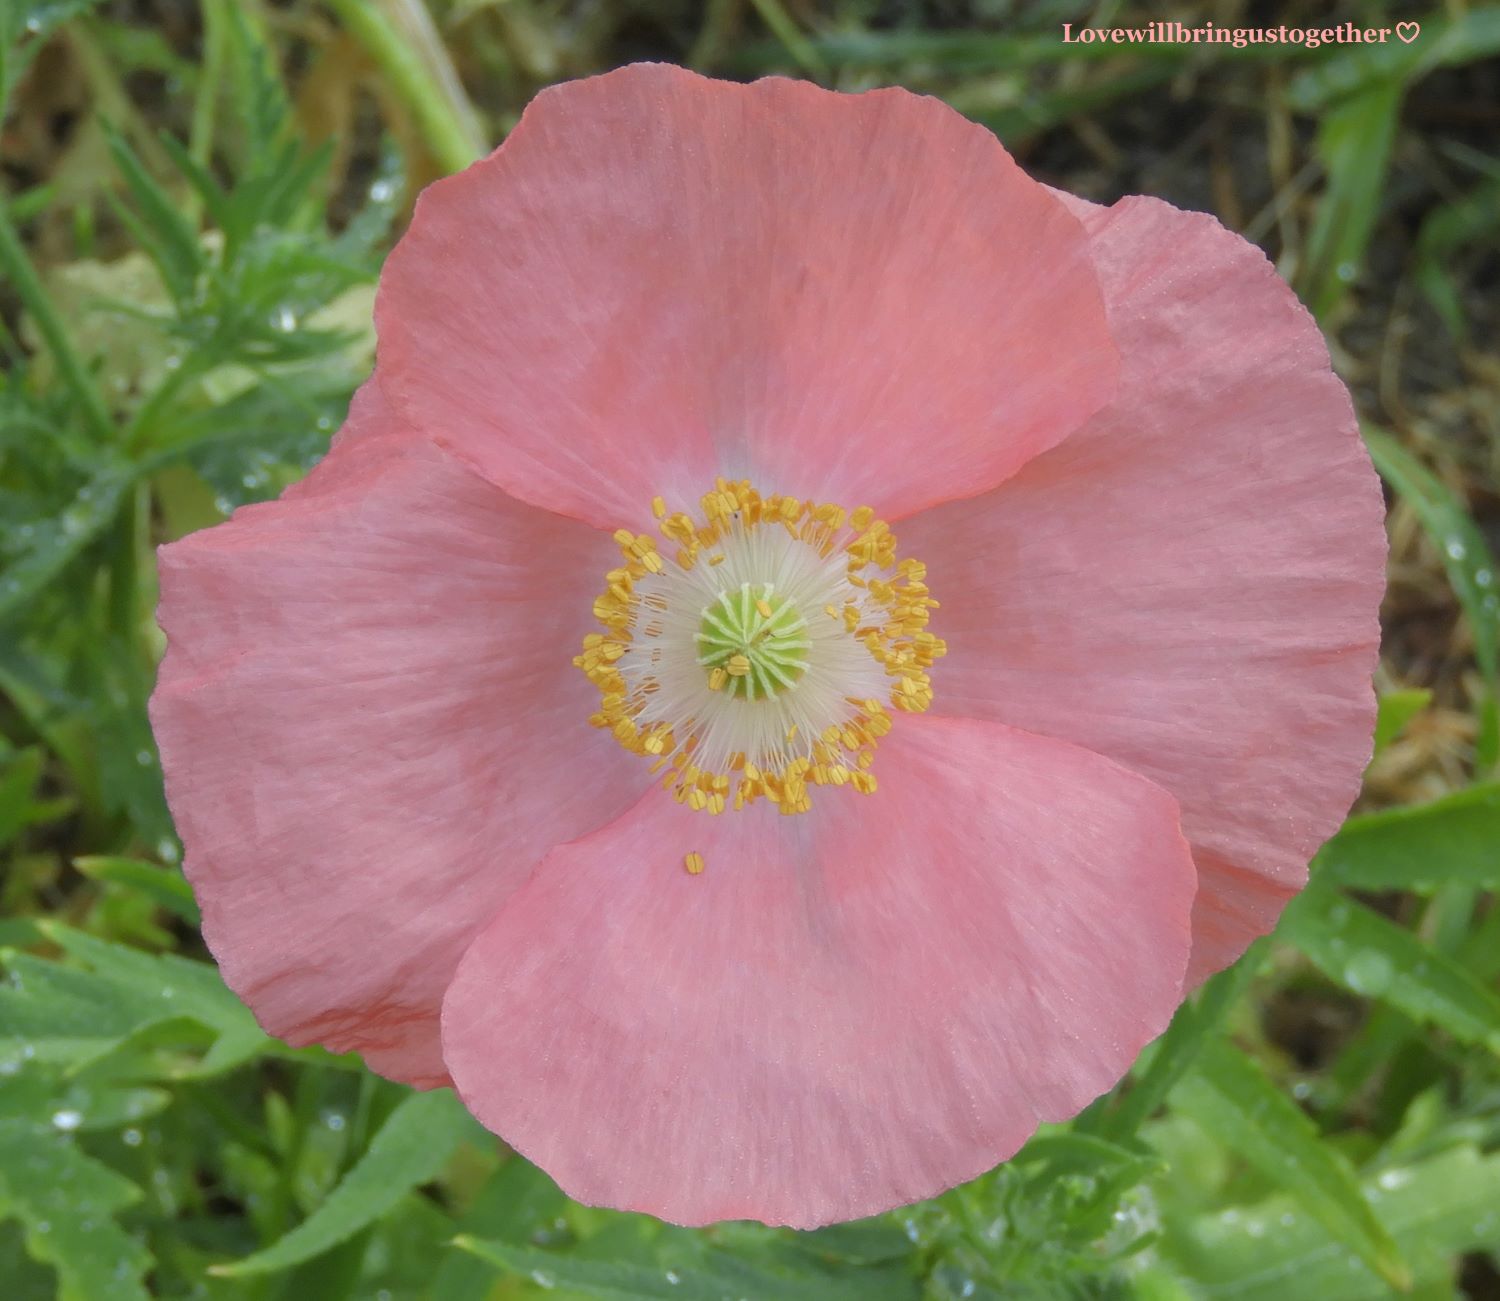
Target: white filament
[662, 664]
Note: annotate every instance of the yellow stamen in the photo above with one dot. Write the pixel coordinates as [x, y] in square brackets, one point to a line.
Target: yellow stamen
[886, 610]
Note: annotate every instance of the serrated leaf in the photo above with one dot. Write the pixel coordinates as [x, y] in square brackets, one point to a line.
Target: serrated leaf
[55, 543]
[410, 1149]
[1231, 1097]
[78, 1015]
[1435, 1209]
[168, 238]
[66, 1201]
[1356, 947]
[1422, 847]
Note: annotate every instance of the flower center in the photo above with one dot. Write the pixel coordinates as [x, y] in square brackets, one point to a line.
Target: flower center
[753, 642]
[760, 660]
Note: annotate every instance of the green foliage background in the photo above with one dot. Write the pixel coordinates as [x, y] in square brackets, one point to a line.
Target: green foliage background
[197, 200]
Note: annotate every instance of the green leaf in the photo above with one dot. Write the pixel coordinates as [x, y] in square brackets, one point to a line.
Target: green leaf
[1175, 1051]
[54, 543]
[1354, 144]
[1232, 1098]
[1423, 847]
[1436, 1210]
[709, 1275]
[1397, 709]
[1466, 556]
[67, 1201]
[1471, 221]
[1358, 948]
[1444, 42]
[37, 19]
[164, 885]
[518, 1201]
[19, 808]
[169, 238]
[78, 1015]
[410, 1149]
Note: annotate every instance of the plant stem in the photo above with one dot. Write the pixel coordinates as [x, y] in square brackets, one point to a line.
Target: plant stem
[785, 29]
[401, 40]
[28, 285]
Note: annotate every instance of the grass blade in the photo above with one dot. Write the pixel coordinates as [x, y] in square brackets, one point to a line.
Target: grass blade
[1420, 848]
[1231, 1097]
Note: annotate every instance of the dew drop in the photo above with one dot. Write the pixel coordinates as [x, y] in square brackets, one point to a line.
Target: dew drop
[1368, 973]
[67, 1119]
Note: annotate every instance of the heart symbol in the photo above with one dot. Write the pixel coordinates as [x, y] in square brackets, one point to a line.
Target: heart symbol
[1408, 32]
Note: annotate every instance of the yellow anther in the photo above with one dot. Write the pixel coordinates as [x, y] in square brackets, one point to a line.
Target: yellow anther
[883, 605]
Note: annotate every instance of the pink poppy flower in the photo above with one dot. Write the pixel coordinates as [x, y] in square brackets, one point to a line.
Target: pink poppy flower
[806, 646]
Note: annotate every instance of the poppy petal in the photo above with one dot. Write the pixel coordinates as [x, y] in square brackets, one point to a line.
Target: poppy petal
[371, 730]
[660, 278]
[846, 1010]
[1191, 583]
